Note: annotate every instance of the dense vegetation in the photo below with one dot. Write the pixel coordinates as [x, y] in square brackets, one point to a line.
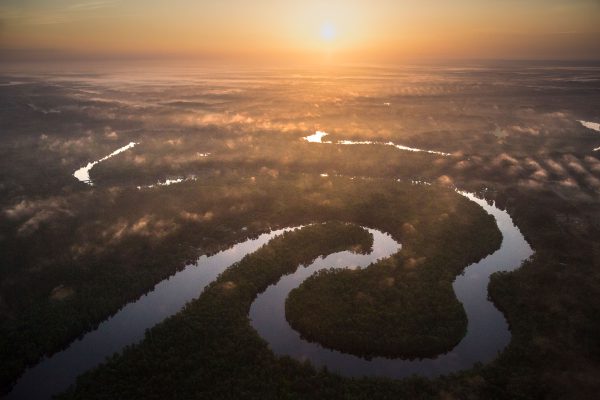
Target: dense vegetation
[71, 255]
[210, 350]
[396, 308]
[147, 237]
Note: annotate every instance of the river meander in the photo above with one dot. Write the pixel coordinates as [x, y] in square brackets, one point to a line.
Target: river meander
[487, 334]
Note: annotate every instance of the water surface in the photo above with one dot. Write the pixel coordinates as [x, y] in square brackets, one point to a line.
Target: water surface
[83, 173]
[318, 136]
[591, 125]
[55, 374]
[487, 330]
[168, 182]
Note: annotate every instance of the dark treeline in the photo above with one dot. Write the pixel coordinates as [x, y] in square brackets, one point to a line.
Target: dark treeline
[227, 355]
[71, 255]
[127, 240]
[403, 307]
[550, 304]
[209, 350]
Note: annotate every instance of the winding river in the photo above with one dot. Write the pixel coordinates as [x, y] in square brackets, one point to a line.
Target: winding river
[56, 373]
[487, 331]
[487, 334]
[595, 126]
[83, 173]
[318, 136]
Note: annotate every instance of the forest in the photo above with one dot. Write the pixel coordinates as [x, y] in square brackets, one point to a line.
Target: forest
[117, 271]
[226, 353]
[72, 254]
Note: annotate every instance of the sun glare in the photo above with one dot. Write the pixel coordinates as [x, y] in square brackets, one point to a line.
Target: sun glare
[328, 32]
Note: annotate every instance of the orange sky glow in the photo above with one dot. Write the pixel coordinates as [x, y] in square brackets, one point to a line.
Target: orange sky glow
[366, 31]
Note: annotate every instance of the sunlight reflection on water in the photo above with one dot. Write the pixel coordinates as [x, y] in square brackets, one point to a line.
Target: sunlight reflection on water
[83, 173]
[591, 125]
[318, 136]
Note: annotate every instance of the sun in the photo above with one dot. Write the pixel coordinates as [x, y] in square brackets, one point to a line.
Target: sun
[328, 32]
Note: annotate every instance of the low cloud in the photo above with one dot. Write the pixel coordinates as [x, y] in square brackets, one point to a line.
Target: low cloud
[32, 214]
[147, 226]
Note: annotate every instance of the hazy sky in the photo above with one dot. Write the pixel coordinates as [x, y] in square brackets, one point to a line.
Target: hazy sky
[359, 30]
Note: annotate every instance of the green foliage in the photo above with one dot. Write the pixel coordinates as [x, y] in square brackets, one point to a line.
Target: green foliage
[210, 350]
[108, 262]
[403, 307]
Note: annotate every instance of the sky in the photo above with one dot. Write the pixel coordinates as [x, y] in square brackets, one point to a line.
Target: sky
[353, 30]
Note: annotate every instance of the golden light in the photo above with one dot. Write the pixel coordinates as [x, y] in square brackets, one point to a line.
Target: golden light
[328, 32]
[294, 29]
